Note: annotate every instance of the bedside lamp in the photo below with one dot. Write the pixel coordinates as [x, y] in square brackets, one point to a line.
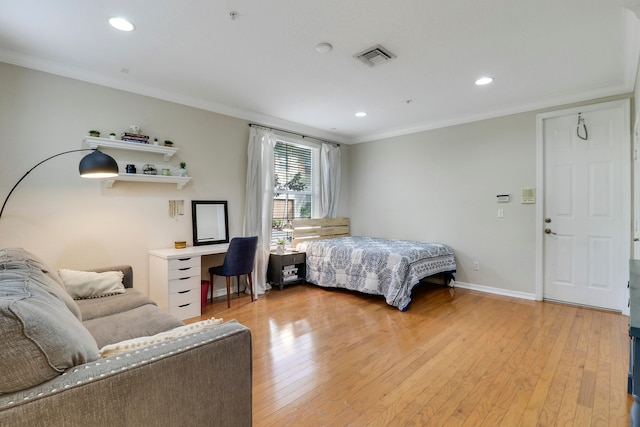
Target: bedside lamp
[288, 227]
[93, 165]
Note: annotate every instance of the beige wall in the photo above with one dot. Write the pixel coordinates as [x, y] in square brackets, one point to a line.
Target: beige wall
[441, 186]
[78, 223]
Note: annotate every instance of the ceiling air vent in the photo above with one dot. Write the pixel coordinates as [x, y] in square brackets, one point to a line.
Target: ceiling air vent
[374, 56]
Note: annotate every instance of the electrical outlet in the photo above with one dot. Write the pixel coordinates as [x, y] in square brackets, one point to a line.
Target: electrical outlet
[476, 265]
[500, 213]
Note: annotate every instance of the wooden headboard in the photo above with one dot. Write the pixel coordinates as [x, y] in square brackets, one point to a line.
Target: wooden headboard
[319, 228]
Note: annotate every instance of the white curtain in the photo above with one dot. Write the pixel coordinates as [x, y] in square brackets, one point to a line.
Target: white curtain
[329, 180]
[259, 200]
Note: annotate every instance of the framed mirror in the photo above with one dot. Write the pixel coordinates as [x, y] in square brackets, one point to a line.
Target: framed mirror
[210, 222]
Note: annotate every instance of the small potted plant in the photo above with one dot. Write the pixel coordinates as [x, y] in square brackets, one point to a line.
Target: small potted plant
[280, 247]
[94, 133]
[112, 135]
[183, 169]
[168, 143]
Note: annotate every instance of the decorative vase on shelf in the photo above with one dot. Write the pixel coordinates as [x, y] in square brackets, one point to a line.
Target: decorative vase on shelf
[182, 172]
[149, 169]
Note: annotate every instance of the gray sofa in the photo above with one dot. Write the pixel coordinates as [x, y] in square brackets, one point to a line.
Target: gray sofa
[52, 375]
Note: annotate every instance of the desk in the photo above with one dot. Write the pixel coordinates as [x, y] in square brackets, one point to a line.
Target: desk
[174, 278]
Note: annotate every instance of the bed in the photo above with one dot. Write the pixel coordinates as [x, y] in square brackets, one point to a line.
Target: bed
[376, 266]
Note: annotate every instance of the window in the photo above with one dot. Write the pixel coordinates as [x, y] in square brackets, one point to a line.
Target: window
[295, 189]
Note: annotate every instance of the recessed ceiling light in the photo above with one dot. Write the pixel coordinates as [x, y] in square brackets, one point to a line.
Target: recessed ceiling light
[361, 114]
[484, 81]
[324, 47]
[121, 24]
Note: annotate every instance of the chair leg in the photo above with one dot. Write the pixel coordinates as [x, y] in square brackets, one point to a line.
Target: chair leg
[211, 287]
[238, 284]
[250, 286]
[228, 292]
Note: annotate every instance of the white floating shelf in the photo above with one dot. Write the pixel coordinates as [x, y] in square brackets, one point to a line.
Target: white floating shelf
[180, 181]
[95, 143]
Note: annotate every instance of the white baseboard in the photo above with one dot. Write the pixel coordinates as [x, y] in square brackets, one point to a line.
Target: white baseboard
[497, 291]
[507, 293]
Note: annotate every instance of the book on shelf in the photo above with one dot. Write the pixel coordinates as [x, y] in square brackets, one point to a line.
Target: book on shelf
[290, 278]
[133, 137]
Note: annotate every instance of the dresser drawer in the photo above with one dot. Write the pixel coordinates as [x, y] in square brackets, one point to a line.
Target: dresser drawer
[181, 285]
[184, 272]
[185, 311]
[180, 263]
[184, 297]
[289, 259]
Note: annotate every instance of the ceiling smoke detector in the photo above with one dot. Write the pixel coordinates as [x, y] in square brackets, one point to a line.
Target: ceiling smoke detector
[375, 56]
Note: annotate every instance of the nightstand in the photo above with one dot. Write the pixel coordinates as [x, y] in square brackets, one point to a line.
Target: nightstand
[286, 268]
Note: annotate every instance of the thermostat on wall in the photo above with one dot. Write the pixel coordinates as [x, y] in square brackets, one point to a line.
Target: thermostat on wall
[528, 195]
[502, 198]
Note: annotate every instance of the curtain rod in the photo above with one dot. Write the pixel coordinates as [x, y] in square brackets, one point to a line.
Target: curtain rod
[294, 133]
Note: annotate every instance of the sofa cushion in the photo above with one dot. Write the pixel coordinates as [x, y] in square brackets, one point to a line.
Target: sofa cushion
[99, 307]
[141, 321]
[90, 284]
[45, 337]
[24, 261]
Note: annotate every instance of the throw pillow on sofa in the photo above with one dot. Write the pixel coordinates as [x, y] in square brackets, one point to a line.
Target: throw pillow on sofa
[90, 284]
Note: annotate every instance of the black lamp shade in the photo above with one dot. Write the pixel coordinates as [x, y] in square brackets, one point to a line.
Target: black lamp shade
[98, 165]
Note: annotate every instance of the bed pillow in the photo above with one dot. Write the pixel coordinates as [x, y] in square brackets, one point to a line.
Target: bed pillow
[41, 338]
[136, 343]
[89, 284]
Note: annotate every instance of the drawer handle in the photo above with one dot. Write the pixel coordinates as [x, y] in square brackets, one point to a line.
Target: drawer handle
[184, 278]
[184, 292]
[184, 305]
[185, 268]
[184, 259]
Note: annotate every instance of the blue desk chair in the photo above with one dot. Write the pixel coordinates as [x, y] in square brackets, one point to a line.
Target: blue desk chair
[238, 261]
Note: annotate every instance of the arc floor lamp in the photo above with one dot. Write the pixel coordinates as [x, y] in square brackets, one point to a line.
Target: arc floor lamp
[93, 165]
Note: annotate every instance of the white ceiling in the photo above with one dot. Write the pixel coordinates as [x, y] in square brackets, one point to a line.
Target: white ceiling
[263, 66]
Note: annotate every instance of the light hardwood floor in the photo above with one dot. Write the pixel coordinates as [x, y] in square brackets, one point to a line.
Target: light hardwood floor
[334, 358]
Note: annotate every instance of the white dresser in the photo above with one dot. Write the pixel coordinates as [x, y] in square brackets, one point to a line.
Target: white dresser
[174, 278]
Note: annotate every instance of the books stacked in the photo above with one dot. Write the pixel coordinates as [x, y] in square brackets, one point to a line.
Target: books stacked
[289, 273]
[135, 137]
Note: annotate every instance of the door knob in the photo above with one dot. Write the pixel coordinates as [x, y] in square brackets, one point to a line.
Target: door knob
[548, 231]
[547, 220]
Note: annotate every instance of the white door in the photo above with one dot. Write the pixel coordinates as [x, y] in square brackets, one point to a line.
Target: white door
[586, 211]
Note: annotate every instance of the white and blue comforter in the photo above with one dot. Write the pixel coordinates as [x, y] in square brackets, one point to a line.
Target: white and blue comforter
[375, 266]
